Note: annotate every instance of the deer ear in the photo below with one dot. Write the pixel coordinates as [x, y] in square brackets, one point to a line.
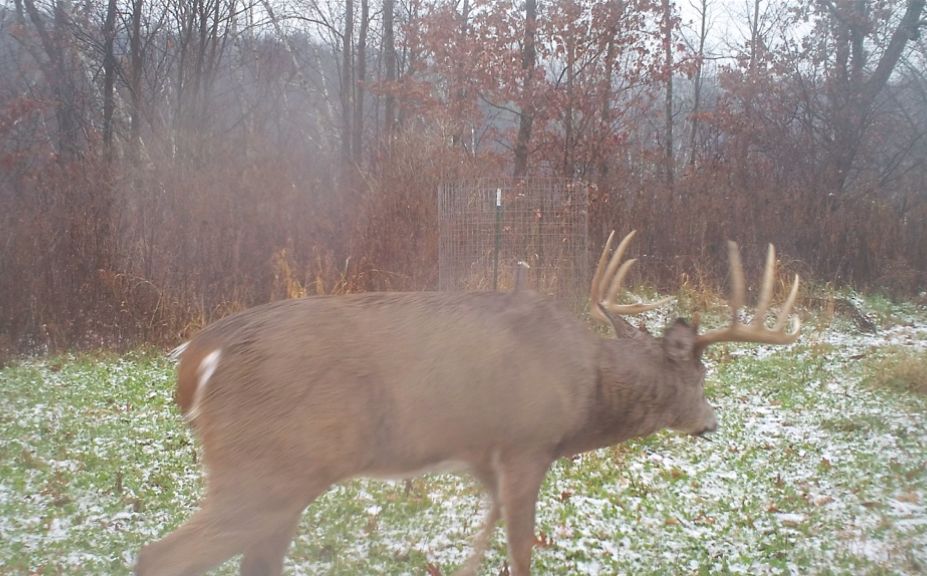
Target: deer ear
[679, 341]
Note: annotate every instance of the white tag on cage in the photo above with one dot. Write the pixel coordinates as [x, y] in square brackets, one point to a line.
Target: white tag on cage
[498, 197]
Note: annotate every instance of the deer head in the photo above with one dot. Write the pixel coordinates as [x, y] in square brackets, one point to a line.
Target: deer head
[670, 365]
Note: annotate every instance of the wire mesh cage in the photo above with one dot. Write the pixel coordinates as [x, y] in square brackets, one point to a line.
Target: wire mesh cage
[486, 226]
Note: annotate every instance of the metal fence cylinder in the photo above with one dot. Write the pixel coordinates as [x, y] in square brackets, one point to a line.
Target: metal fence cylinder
[487, 225]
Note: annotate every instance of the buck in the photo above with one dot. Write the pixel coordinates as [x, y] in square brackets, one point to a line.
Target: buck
[294, 396]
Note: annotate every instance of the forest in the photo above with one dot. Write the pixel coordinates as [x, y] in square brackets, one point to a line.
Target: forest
[164, 163]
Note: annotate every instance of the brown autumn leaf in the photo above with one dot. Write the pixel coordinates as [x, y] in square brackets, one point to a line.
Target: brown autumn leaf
[543, 540]
[823, 500]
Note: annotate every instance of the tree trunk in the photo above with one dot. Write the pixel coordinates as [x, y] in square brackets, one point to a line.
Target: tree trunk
[697, 88]
[109, 78]
[568, 135]
[460, 94]
[667, 29]
[755, 35]
[605, 111]
[389, 62]
[526, 118]
[135, 86]
[347, 82]
[58, 71]
[361, 77]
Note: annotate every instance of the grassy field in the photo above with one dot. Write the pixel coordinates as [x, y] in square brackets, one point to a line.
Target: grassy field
[819, 467]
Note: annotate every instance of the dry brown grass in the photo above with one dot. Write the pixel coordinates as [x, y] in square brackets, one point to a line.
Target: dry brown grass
[899, 369]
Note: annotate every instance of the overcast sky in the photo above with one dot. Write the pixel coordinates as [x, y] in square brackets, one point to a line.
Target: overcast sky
[729, 21]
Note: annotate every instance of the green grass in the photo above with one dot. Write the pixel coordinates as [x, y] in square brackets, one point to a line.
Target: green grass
[819, 467]
[885, 310]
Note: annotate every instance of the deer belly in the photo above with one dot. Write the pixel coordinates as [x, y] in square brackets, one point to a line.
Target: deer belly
[399, 473]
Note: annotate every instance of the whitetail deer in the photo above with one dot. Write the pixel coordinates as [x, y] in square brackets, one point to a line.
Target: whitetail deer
[294, 396]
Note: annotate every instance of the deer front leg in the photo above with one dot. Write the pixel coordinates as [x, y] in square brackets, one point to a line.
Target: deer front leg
[519, 483]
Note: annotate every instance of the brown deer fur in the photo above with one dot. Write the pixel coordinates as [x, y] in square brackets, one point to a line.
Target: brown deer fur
[310, 392]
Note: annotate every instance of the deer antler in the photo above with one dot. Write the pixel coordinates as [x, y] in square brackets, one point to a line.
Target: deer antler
[612, 276]
[756, 330]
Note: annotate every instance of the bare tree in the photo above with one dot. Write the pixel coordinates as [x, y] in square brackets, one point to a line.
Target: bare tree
[526, 115]
[109, 77]
[605, 105]
[203, 29]
[136, 63]
[666, 30]
[460, 91]
[702, 8]
[347, 83]
[359, 84]
[855, 88]
[568, 131]
[389, 62]
[58, 67]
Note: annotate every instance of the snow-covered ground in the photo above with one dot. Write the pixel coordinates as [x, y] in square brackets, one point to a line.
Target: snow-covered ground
[813, 471]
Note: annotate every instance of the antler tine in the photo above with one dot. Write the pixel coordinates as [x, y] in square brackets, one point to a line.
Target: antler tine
[619, 254]
[766, 288]
[615, 287]
[612, 275]
[787, 308]
[613, 263]
[594, 296]
[615, 290]
[600, 268]
[756, 330]
[738, 286]
[622, 269]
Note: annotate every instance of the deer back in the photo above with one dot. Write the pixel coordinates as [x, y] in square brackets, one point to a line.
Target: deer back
[400, 381]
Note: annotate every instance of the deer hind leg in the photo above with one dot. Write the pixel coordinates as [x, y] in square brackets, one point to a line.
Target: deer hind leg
[519, 484]
[487, 476]
[229, 522]
[481, 542]
[265, 557]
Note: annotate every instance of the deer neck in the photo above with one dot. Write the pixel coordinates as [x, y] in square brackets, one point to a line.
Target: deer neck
[634, 397]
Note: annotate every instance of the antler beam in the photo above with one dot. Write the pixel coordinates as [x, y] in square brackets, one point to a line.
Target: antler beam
[756, 330]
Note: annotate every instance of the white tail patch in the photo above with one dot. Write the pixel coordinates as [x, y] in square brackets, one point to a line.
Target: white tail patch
[176, 352]
[208, 365]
